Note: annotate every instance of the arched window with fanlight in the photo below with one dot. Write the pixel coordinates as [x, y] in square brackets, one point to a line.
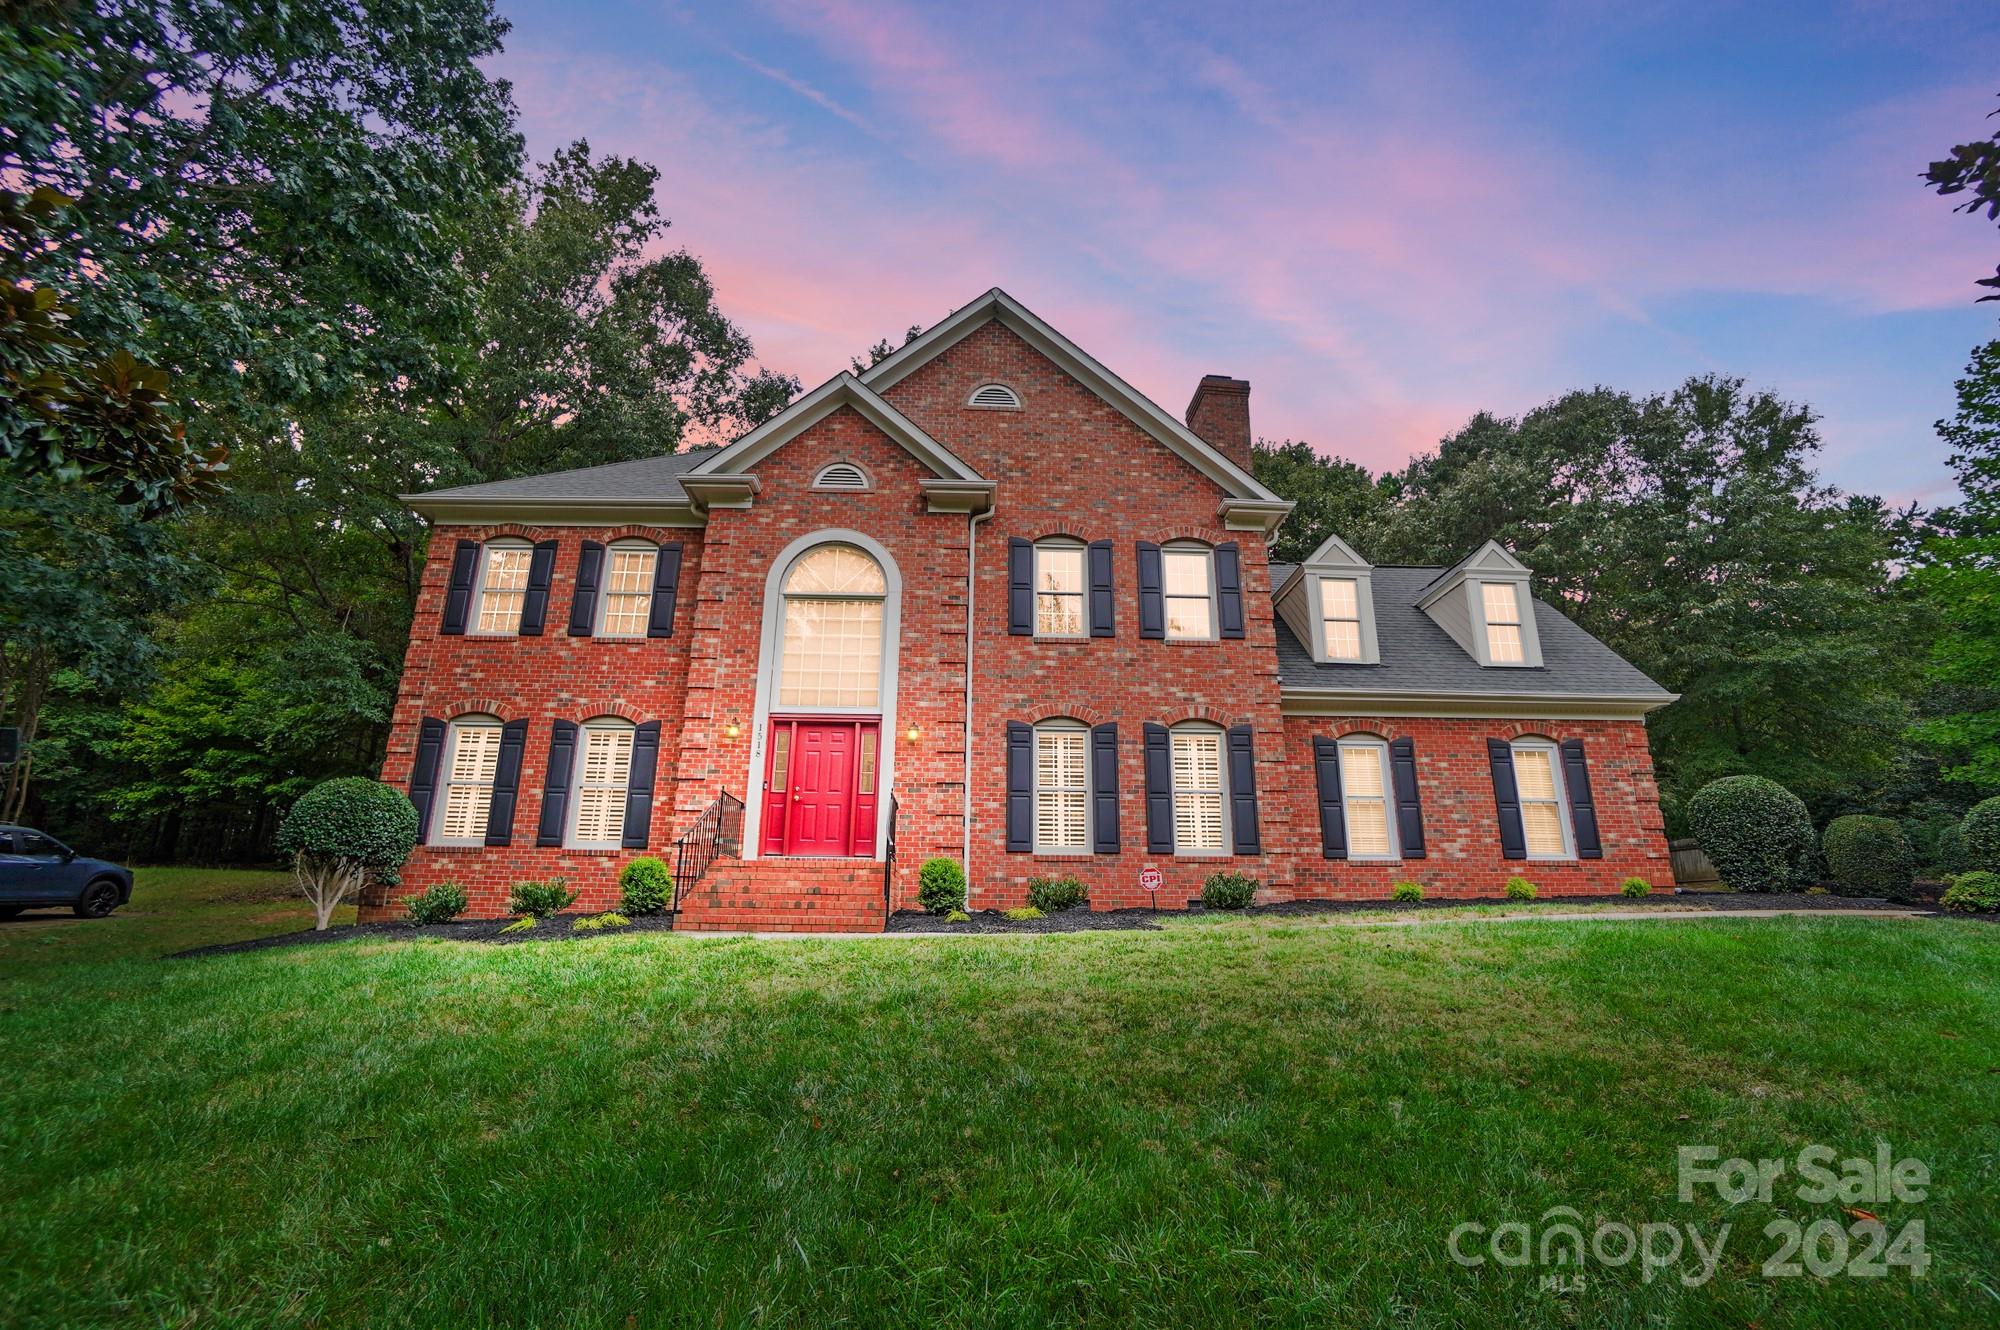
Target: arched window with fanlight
[832, 643]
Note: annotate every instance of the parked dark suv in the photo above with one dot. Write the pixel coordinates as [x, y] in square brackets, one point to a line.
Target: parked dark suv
[37, 869]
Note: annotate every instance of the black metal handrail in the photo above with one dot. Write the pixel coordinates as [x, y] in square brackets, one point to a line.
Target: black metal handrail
[889, 862]
[718, 831]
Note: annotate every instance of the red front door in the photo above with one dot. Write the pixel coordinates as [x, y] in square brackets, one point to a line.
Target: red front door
[819, 788]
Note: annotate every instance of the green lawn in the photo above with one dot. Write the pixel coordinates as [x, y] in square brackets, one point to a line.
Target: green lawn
[1228, 1122]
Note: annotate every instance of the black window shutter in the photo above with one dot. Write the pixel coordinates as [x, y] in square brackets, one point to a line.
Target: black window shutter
[1229, 589]
[1152, 598]
[666, 590]
[506, 783]
[1332, 813]
[555, 784]
[1507, 799]
[1020, 788]
[1243, 791]
[1582, 805]
[535, 604]
[424, 775]
[1104, 788]
[639, 785]
[1103, 604]
[458, 595]
[1409, 807]
[583, 605]
[1020, 586]
[1159, 788]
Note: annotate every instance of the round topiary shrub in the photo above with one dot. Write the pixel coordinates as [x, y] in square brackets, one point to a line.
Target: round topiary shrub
[644, 886]
[1228, 891]
[1520, 889]
[439, 903]
[1868, 856]
[1755, 831]
[341, 833]
[1049, 894]
[1635, 887]
[1974, 893]
[941, 885]
[1980, 834]
[1409, 893]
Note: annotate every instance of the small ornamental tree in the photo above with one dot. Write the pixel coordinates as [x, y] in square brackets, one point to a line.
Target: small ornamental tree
[1980, 834]
[341, 833]
[1755, 831]
[1868, 856]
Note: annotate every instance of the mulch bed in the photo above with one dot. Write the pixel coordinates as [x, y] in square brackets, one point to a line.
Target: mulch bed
[556, 929]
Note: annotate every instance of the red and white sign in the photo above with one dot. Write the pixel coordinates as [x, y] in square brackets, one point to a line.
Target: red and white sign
[1150, 879]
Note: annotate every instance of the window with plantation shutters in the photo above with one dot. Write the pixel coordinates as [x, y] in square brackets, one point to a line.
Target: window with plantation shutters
[1198, 797]
[628, 589]
[470, 764]
[1538, 778]
[503, 587]
[1364, 788]
[603, 770]
[1062, 789]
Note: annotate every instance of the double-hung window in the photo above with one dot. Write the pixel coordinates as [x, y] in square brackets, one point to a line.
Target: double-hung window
[1187, 574]
[627, 602]
[1501, 603]
[603, 769]
[1058, 589]
[503, 586]
[470, 763]
[1538, 779]
[1198, 794]
[1062, 789]
[1340, 617]
[1364, 795]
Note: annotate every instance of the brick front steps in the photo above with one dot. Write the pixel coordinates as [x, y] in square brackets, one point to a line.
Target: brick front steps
[785, 896]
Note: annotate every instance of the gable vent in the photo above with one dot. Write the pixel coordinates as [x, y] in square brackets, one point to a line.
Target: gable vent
[841, 476]
[995, 395]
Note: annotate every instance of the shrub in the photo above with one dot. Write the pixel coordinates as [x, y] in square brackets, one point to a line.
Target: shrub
[439, 903]
[957, 917]
[598, 923]
[1022, 912]
[343, 831]
[1407, 892]
[645, 886]
[539, 900]
[941, 885]
[1520, 889]
[1868, 856]
[1980, 833]
[1974, 893]
[525, 924]
[1049, 894]
[1635, 887]
[614, 919]
[1949, 857]
[1228, 891]
[1755, 831]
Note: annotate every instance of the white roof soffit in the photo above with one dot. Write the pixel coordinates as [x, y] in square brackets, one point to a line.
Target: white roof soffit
[1133, 404]
[843, 389]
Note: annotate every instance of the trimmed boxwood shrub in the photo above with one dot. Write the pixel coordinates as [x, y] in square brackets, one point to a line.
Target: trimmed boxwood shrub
[1049, 894]
[341, 833]
[1520, 889]
[439, 903]
[644, 886]
[1974, 893]
[1228, 891]
[1407, 892]
[539, 900]
[1755, 831]
[1635, 887]
[1868, 856]
[1980, 833]
[941, 885]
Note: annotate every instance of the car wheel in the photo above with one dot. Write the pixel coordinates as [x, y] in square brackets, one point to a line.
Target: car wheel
[99, 899]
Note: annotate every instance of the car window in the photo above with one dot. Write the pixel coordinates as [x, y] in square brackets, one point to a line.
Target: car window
[35, 843]
[6, 842]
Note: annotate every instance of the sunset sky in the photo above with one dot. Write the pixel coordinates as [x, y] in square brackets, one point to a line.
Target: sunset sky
[1385, 216]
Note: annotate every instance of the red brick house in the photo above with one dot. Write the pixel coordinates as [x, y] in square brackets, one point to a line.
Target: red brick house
[987, 601]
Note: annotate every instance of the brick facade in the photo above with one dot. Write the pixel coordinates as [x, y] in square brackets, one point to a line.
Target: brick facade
[1066, 463]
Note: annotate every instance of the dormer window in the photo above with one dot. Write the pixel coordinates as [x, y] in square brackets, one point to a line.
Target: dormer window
[1329, 603]
[1483, 602]
[1501, 602]
[1340, 617]
[994, 397]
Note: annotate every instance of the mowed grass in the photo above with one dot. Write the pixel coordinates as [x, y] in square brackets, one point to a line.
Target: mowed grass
[1224, 1123]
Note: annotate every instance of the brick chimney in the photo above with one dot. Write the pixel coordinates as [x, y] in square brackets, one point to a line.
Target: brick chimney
[1219, 415]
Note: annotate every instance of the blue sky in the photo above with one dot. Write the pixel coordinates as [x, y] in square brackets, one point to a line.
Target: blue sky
[1385, 217]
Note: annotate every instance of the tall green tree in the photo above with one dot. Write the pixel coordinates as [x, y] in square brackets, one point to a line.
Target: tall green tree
[1335, 497]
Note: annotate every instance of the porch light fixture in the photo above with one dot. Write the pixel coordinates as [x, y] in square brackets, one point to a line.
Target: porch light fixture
[733, 729]
[912, 734]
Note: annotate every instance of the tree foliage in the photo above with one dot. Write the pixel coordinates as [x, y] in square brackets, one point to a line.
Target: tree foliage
[1972, 169]
[1335, 497]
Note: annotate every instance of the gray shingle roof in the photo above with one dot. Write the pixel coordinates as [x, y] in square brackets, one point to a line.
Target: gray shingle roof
[645, 478]
[1420, 657]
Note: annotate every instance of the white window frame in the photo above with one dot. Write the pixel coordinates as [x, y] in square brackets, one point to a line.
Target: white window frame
[1082, 593]
[441, 792]
[478, 614]
[600, 725]
[1487, 624]
[1348, 799]
[884, 677]
[1207, 553]
[1176, 790]
[1360, 620]
[604, 593]
[1081, 732]
[1561, 800]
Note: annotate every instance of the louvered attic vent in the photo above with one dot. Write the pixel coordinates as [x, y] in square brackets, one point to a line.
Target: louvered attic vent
[841, 476]
[996, 395]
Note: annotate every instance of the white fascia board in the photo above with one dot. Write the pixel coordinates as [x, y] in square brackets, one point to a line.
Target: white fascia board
[843, 389]
[1080, 365]
[1484, 706]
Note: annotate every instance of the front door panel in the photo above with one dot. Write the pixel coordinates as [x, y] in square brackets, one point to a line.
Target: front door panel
[819, 788]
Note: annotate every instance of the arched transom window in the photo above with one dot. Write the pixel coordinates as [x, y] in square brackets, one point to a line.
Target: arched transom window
[833, 631]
